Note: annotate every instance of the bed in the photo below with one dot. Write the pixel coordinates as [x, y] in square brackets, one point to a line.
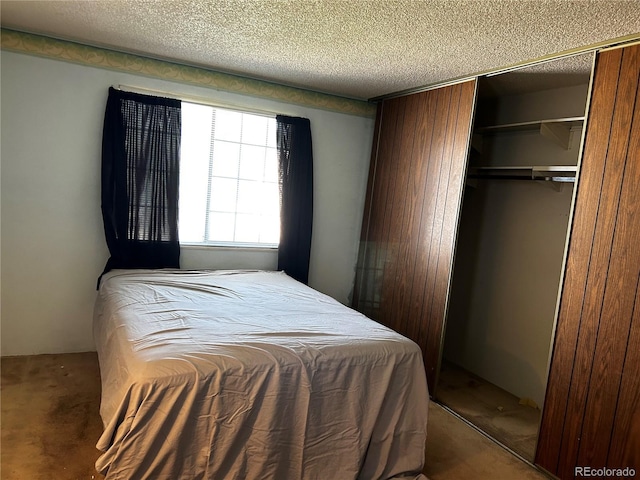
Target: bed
[251, 375]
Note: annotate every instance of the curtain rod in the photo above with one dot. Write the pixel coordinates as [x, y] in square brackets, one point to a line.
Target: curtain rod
[195, 99]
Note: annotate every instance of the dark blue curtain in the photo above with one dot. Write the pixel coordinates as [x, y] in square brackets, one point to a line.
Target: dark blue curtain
[140, 179]
[296, 195]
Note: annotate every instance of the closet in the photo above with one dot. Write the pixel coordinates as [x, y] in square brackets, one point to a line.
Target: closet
[441, 189]
[511, 244]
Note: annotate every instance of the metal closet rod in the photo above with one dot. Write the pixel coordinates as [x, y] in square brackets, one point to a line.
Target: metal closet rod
[194, 99]
[554, 173]
[546, 178]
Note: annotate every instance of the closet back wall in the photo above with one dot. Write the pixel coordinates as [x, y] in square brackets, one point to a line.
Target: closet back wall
[512, 238]
[53, 244]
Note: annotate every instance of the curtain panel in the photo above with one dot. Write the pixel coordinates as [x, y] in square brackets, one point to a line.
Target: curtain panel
[295, 159]
[140, 180]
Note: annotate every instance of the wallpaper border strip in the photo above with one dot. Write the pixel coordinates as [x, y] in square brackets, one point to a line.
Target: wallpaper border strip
[77, 53]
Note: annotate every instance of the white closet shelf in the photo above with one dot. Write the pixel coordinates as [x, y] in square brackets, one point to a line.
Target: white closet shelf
[533, 125]
[556, 129]
[554, 173]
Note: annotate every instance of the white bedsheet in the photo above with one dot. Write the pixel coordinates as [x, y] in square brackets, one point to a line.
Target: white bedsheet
[251, 375]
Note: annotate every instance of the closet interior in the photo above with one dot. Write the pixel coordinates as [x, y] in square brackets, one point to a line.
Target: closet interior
[511, 243]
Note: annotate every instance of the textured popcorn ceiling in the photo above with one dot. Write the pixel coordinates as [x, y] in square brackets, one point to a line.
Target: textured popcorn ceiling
[355, 48]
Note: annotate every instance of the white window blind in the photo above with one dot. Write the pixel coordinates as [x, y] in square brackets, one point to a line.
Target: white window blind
[228, 178]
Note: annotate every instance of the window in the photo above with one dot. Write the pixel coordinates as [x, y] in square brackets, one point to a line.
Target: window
[228, 178]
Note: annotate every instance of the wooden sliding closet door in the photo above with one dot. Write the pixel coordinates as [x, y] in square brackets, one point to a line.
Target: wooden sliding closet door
[591, 416]
[411, 214]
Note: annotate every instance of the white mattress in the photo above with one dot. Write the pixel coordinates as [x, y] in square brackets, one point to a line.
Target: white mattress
[251, 375]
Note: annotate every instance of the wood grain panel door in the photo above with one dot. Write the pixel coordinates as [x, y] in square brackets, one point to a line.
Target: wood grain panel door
[411, 214]
[590, 416]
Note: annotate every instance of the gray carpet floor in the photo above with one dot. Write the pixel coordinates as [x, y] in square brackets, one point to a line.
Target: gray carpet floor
[50, 423]
[490, 408]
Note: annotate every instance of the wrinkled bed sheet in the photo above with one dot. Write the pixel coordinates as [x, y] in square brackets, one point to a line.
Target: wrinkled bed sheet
[251, 375]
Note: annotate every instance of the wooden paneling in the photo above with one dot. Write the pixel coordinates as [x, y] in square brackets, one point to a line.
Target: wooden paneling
[592, 391]
[411, 215]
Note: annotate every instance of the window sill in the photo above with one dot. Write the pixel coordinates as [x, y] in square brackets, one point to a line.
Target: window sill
[237, 248]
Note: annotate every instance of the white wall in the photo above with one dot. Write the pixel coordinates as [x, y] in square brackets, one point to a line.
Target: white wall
[506, 282]
[53, 246]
